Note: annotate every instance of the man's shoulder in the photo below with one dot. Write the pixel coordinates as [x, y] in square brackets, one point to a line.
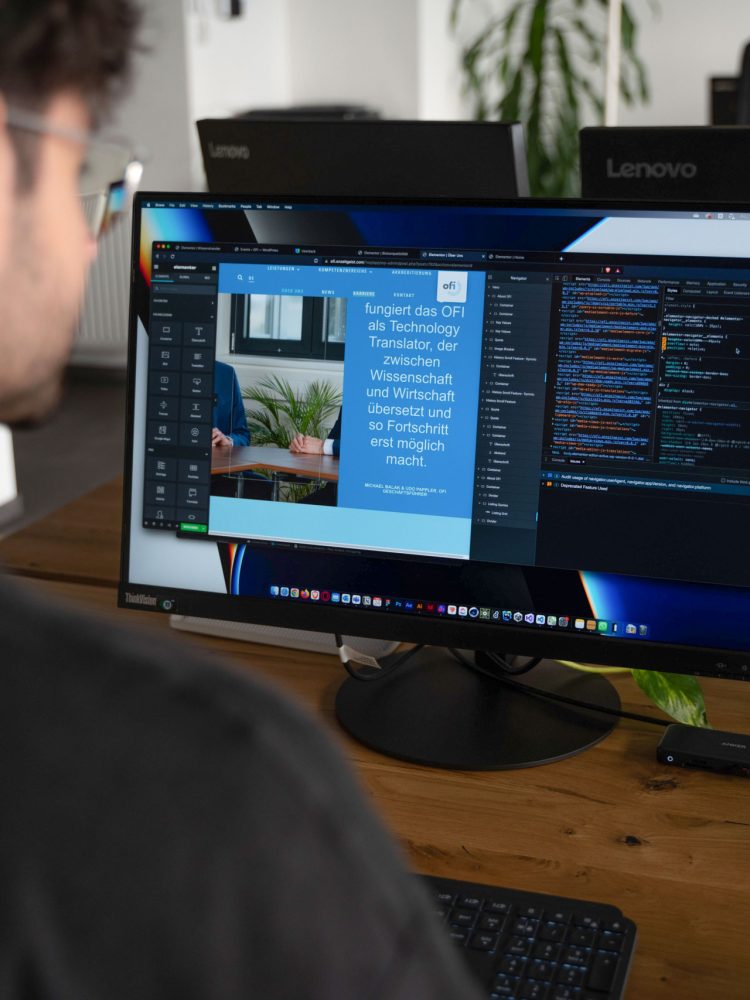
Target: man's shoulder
[150, 684]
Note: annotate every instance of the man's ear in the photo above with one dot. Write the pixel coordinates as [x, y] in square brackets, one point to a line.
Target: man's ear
[7, 183]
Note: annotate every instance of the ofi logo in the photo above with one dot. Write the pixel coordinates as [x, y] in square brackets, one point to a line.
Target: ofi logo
[652, 170]
[451, 287]
[228, 152]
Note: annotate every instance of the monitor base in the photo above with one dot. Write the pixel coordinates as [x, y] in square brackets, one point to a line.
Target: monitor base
[436, 712]
[273, 635]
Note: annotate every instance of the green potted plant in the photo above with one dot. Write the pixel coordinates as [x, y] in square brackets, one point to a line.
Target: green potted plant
[542, 62]
[279, 411]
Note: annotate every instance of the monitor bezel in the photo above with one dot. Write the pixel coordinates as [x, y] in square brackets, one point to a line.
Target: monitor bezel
[431, 630]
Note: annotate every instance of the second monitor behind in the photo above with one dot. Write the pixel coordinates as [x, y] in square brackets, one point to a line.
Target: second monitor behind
[666, 163]
[398, 159]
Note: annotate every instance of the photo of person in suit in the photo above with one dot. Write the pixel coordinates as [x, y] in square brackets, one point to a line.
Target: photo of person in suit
[229, 419]
[305, 444]
[230, 430]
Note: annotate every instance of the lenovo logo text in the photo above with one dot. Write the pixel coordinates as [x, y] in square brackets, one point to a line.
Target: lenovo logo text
[228, 152]
[637, 171]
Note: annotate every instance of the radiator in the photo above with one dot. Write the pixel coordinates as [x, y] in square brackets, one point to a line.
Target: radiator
[101, 339]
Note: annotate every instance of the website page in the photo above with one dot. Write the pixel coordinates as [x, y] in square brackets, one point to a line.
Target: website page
[536, 415]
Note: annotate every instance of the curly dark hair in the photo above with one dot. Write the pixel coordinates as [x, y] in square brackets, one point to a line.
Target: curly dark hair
[51, 46]
[47, 46]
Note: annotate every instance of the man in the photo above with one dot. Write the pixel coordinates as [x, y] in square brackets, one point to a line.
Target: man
[306, 444]
[229, 419]
[168, 828]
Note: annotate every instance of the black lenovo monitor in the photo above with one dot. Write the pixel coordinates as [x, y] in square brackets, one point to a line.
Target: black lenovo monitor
[532, 437]
[670, 163]
[729, 96]
[360, 158]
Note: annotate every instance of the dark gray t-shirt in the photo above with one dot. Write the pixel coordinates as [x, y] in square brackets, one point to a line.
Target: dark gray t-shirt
[173, 829]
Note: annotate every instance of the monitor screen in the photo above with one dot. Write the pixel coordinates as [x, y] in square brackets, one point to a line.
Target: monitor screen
[520, 426]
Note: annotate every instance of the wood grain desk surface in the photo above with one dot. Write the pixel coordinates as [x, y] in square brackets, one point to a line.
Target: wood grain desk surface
[670, 847]
[237, 459]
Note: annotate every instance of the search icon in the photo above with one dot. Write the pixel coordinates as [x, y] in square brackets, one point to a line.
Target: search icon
[239, 277]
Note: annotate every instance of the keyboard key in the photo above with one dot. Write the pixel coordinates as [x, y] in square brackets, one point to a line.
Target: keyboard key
[547, 951]
[575, 955]
[571, 975]
[445, 898]
[504, 986]
[490, 922]
[460, 918]
[458, 935]
[482, 941]
[541, 970]
[525, 927]
[512, 965]
[585, 920]
[535, 991]
[468, 902]
[551, 932]
[530, 911]
[602, 971]
[583, 936]
[519, 946]
[497, 906]
[561, 992]
[611, 942]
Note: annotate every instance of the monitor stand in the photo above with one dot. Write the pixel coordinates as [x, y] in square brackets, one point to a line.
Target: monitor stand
[274, 635]
[437, 712]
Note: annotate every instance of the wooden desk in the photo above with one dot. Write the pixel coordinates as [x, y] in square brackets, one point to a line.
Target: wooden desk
[224, 460]
[670, 847]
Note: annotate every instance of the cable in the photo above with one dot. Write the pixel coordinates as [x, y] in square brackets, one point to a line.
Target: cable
[509, 668]
[372, 669]
[550, 696]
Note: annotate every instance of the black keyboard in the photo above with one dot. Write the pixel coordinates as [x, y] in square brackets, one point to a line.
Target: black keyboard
[530, 946]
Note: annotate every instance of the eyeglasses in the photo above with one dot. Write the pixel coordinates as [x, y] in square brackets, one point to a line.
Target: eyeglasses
[110, 174]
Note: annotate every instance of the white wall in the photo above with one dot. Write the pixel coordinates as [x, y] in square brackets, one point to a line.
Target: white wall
[438, 59]
[355, 51]
[682, 46]
[155, 112]
[234, 65]
[238, 64]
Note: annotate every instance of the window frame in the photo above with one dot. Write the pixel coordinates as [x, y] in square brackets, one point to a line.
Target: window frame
[312, 344]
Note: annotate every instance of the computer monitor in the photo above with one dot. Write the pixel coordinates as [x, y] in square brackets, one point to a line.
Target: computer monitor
[669, 163]
[542, 446]
[364, 158]
[730, 95]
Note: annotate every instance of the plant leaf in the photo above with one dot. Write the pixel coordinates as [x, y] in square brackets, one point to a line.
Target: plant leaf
[540, 63]
[676, 694]
[283, 412]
